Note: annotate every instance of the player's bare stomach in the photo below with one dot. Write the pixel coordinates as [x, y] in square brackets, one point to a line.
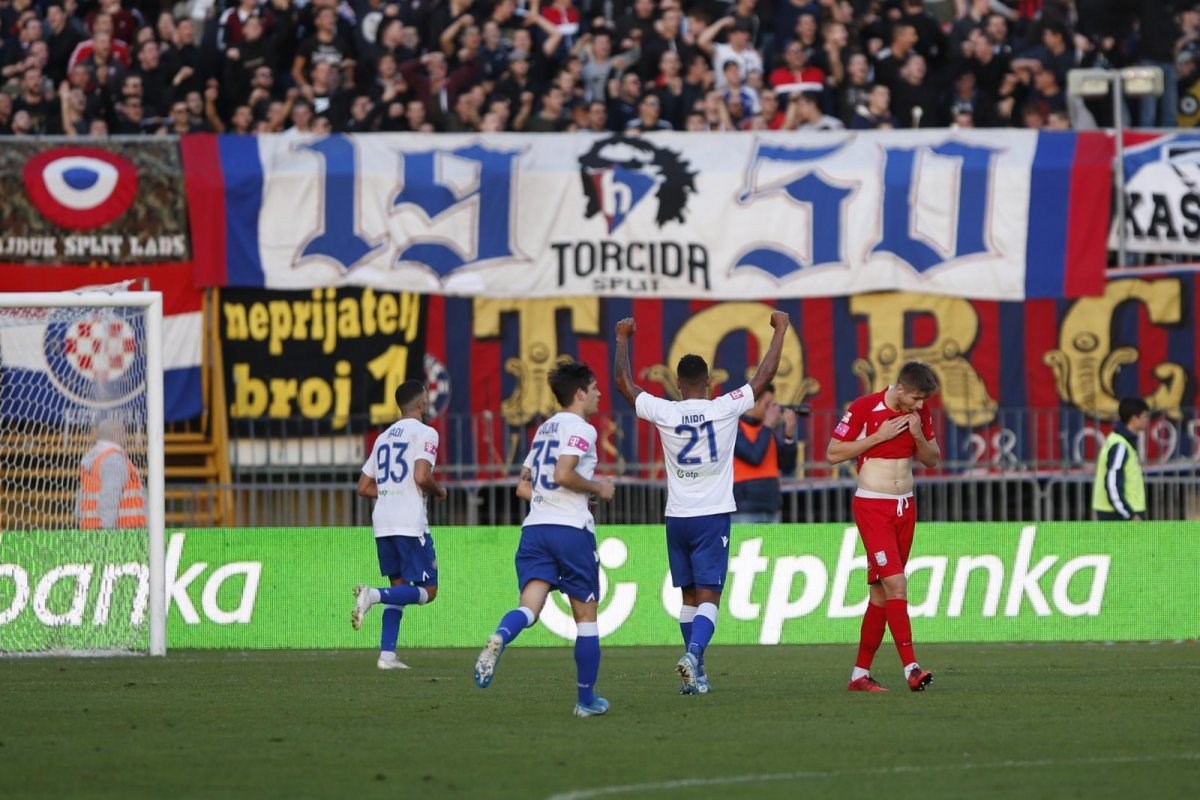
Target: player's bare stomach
[886, 475]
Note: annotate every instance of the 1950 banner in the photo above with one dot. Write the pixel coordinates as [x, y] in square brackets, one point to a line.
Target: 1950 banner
[989, 215]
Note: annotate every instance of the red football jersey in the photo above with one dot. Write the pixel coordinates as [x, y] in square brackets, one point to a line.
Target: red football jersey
[863, 418]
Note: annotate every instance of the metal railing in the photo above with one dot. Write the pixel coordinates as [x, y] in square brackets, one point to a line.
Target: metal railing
[1025, 465]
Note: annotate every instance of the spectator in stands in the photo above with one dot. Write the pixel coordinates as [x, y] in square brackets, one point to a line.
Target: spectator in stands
[16, 54]
[1158, 42]
[877, 112]
[764, 451]
[599, 63]
[324, 44]
[1118, 491]
[181, 58]
[623, 106]
[916, 102]
[796, 74]
[973, 19]
[636, 26]
[6, 113]
[516, 84]
[124, 24]
[73, 110]
[805, 114]
[101, 25]
[989, 62]
[549, 118]
[62, 37]
[104, 68]
[1189, 87]
[966, 98]
[154, 79]
[111, 494]
[738, 50]
[649, 116]
[891, 60]
[931, 41]
[434, 51]
[666, 37]
[597, 117]
[772, 116]
[852, 95]
[40, 106]
[737, 91]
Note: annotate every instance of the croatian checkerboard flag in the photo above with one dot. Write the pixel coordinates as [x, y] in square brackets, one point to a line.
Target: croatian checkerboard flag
[70, 366]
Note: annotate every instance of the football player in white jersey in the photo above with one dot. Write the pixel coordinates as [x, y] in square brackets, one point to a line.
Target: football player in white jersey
[558, 539]
[698, 437]
[399, 475]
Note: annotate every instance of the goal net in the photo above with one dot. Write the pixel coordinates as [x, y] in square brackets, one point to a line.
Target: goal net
[81, 473]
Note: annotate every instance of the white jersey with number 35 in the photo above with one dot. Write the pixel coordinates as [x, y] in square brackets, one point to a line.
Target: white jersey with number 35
[564, 434]
[698, 437]
[400, 507]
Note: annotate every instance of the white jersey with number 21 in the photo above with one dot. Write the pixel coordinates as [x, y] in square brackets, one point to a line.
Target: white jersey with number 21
[698, 437]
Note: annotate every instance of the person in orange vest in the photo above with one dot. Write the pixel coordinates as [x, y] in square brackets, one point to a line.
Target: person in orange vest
[111, 493]
[764, 451]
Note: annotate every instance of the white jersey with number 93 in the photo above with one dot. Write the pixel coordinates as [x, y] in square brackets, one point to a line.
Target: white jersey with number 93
[400, 508]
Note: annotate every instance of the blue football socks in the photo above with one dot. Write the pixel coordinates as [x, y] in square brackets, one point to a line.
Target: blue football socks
[587, 661]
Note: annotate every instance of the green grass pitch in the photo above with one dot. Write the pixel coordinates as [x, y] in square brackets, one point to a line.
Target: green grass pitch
[1000, 721]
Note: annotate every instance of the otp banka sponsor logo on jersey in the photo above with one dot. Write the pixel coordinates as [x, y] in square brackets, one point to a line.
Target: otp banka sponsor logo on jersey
[615, 605]
[80, 188]
[635, 187]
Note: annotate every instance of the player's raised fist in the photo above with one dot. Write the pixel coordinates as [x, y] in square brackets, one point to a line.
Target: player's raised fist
[779, 320]
[626, 327]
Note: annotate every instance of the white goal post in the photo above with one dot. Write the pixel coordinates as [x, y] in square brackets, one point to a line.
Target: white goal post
[82, 567]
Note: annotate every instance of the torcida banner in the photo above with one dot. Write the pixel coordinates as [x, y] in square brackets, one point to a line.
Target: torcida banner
[992, 215]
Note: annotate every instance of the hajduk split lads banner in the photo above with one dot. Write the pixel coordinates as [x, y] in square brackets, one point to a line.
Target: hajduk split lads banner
[290, 587]
[998, 215]
[94, 212]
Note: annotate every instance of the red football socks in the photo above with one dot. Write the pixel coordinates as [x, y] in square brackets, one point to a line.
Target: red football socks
[898, 622]
[873, 625]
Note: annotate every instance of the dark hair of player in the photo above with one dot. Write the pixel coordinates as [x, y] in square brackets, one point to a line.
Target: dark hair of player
[568, 378]
[919, 377]
[407, 394]
[692, 370]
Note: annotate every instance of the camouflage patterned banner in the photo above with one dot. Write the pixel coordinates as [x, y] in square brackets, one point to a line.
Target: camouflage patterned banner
[93, 203]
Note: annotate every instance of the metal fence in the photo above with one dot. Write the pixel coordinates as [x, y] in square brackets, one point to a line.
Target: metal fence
[1023, 465]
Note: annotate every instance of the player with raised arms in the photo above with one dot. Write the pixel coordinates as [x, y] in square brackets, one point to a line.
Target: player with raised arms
[399, 475]
[885, 431]
[698, 437]
[558, 538]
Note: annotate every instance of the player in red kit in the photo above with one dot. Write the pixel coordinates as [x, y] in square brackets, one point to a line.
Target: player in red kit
[885, 431]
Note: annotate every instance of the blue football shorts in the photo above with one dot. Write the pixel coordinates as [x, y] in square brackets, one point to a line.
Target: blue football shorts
[562, 556]
[412, 558]
[698, 550]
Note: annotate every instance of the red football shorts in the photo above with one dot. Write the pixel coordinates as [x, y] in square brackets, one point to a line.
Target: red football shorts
[885, 526]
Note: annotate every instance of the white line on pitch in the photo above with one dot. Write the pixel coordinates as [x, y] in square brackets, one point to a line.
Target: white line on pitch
[685, 783]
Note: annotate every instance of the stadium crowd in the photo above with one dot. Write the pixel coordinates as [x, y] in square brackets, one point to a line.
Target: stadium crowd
[99, 67]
